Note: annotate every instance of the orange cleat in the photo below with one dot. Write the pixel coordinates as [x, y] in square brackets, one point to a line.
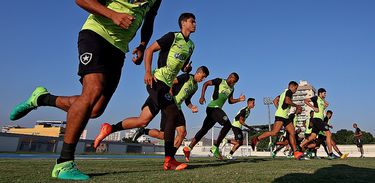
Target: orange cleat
[172, 164]
[186, 151]
[105, 130]
[297, 155]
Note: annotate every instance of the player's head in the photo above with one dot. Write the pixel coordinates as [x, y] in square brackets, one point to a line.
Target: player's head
[322, 93]
[329, 114]
[250, 103]
[187, 21]
[293, 86]
[201, 73]
[355, 125]
[233, 79]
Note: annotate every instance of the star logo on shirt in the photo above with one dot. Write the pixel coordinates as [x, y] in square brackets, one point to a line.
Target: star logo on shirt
[85, 58]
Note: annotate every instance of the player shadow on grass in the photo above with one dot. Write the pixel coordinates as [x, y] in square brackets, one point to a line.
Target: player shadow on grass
[335, 173]
[117, 172]
[210, 163]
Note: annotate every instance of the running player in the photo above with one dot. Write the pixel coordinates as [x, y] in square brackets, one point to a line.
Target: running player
[283, 103]
[102, 44]
[183, 89]
[319, 105]
[224, 89]
[358, 139]
[176, 49]
[237, 124]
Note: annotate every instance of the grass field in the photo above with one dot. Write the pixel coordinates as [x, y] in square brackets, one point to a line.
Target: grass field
[254, 169]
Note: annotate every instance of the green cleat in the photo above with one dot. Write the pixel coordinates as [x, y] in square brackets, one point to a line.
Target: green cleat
[25, 107]
[68, 171]
[273, 155]
[215, 150]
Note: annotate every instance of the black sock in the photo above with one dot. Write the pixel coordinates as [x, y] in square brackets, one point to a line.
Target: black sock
[231, 152]
[67, 153]
[340, 153]
[330, 154]
[169, 149]
[175, 150]
[146, 131]
[47, 100]
[117, 127]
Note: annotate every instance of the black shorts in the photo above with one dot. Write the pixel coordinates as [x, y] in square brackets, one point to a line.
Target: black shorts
[319, 125]
[159, 97]
[358, 142]
[285, 121]
[97, 55]
[320, 140]
[180, 120]
[154, 109]
[238, 135]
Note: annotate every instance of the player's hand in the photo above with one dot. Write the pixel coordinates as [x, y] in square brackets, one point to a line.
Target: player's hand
[194, 109]
[326, 104]
[316, 109]
[149, 79]
[202, 100]
[138, 53]
[188, 68]
[242, 97]
[123, 20]
[299, 109]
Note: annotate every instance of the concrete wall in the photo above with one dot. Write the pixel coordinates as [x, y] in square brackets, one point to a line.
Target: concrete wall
[10, 143]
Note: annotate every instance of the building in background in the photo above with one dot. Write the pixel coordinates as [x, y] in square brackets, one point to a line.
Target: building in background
[305, 90]
[114, 137]
[48, 128]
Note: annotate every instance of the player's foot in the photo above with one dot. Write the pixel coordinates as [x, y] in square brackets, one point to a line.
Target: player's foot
[230, 157]
[138, 133]
[25, 107]
[105, 130]
[215, 151]
[254, 142]
[297, 155]
[68, 171]
[273, 155]
[172, 164]
[344, 156]
[186, 151]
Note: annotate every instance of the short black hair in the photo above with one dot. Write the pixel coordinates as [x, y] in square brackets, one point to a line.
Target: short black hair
[235, 75]
[184, 17]
[293, 83]
[321, 90]
[204, 69]
[329, 111]
[250, 99]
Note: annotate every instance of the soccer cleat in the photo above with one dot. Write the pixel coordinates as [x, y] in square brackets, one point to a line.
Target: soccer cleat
[254, 142]
[344, 156]
[273, 155]
[105, 130]
[138, 133]
[215, 151]
[68, 171]
[297, 155]
[172, 164]
[25, 107]
[186, 151]
[230, 157]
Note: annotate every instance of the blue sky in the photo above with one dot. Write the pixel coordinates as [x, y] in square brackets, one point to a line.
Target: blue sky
[328, 43]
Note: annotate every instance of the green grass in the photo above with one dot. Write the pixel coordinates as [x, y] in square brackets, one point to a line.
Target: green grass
[254, 169]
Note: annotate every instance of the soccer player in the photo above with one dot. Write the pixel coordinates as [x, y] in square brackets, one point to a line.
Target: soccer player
[283, 103]
[237, 124]
[282, 141]
[224, 89]
[183, 89]
[176, 49]
[319, 105]
[358, 139]
[102, 44]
